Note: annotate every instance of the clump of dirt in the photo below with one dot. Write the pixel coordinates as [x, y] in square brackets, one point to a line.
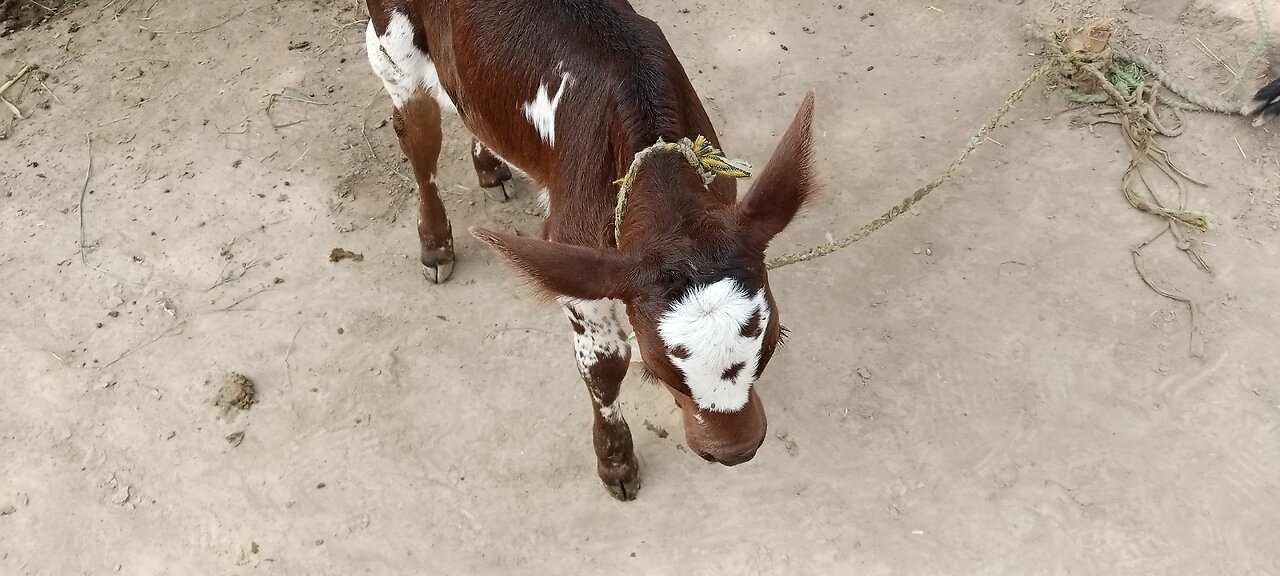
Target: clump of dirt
[340, 254]
[237, 393]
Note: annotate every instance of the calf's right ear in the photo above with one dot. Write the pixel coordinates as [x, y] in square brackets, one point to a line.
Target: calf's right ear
[563, 269]
[787, 182]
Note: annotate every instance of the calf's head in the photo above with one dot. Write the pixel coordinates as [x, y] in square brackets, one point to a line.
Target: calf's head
[691, 270]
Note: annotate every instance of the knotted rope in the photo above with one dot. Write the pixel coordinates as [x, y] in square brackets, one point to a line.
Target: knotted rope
[708, 160]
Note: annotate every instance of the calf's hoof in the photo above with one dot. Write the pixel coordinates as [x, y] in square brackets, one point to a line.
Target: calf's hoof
[623, 482]
[624, 490]
[439, 273]
[437, 263]
[501, 192]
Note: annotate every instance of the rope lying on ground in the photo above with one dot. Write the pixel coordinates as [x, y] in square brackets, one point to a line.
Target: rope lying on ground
[1124, 85]
[977, 140]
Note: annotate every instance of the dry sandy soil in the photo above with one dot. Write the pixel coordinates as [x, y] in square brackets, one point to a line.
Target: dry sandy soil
[984, 387]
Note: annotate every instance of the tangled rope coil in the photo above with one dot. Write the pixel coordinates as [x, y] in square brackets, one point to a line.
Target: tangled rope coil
[1127, 68]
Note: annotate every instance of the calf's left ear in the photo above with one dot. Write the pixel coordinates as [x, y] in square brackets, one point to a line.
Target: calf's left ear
[785, 184]
[564, 269]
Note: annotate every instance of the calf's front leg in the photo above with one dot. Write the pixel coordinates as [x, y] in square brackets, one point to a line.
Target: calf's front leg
[603, 355]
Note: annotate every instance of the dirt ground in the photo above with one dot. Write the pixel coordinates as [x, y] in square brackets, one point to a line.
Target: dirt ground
[985, 386]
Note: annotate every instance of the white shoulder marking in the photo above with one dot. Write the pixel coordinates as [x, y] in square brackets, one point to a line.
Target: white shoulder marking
[541, 111]
[404, 69]
[707, 323]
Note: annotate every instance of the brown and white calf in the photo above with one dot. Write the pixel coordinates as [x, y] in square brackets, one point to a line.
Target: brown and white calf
[567, 92]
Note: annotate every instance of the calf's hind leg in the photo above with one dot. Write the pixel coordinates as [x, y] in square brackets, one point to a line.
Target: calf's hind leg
[603, 355]
[492, 172]
[407, 72]
[417, 123]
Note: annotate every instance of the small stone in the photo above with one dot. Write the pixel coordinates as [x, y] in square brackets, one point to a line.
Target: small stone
[928, 251]
[235, 438]
[864, 373]
[7, 510]
[916, 251]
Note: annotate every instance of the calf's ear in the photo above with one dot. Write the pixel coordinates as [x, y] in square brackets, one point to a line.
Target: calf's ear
[785, 184]
[563, 269]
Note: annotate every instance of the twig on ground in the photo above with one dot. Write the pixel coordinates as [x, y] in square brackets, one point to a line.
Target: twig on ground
[46, 8]
[1210, 53]
[147, 15]
[295, 162]
[202, 30]
[284, 96]
[225, 278]
[46, 89]
[167, 332]
[287, 368]
[12, 108]
[16, 78]
[124, 7]
[364, 135]
[337, 35]
[84, 190]
[116, 121]
[242, 300]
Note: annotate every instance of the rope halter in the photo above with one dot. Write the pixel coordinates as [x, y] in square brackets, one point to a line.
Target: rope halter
[708, 160]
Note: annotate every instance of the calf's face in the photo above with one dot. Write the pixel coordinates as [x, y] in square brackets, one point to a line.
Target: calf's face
[696, 289]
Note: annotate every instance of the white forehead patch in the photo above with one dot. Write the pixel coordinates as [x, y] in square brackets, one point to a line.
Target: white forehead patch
[541, 111]
[404, 69]
[707, 324]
